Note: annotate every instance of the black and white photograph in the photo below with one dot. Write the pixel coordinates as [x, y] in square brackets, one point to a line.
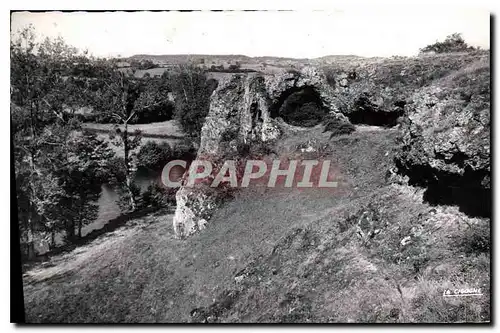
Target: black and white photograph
[251, 166]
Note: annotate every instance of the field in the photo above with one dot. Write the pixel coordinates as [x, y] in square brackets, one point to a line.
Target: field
[166, 129]
[161, 132]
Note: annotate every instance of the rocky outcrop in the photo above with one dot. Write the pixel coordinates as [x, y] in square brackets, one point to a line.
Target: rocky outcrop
[241, 114]
[242, 107]
[281, 86]
[374, 91]
[446, 140]
[194, 209]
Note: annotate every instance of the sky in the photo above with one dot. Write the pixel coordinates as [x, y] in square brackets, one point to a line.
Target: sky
[366, 31]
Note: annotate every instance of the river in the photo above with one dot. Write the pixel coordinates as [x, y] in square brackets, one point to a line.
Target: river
[108, 207]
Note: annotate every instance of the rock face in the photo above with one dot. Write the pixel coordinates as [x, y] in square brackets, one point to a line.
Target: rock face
[242, 111]
[238, 111]
[194, 208]
[446, 140]
[374, 91]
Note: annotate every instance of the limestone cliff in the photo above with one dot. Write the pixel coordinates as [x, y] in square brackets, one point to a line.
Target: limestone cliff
[243, 111]
[446, 140]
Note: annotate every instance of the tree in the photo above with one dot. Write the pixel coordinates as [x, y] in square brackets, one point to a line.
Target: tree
[46, 153]
[122, 97]
[37, 84]
[156, 90]
[82, 172]
[192, 93]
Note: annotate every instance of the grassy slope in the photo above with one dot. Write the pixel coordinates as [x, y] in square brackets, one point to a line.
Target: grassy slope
[367, 251]
[286, 256]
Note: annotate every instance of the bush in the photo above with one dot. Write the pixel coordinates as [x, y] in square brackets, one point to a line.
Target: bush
[143, 64]
[476, 239]
[155, 101]
[452, 43]
[337, 126]
[183, 150]
[158, 196]
[153, 155]
[219, 68]
[161, 112]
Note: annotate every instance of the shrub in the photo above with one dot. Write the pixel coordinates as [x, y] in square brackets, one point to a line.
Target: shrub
[452, 43]
[337, 125]
[183, 150]
[153, 155]
[160, 112]
[234, 67]
[154, 101]
[476, 239]
[293, 71]
[158, 196]
[219, 68]
[143, 64]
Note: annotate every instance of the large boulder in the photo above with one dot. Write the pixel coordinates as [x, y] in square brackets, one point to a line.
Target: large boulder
[446, 140]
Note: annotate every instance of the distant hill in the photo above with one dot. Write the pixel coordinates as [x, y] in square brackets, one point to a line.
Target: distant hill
[183, 58]
[209, 59]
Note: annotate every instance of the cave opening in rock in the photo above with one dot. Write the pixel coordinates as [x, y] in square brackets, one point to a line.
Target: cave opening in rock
[464, 191]
[366, 113]
[300, 106]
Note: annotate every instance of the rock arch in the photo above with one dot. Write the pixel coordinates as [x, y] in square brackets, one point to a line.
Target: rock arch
[300, 106]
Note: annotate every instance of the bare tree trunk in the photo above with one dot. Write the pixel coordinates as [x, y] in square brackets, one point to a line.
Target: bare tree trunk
[70, 231]
[31, 229]
[52, 239]
[128, 178]
[79, 227]
[133, 204]
[30, 246]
